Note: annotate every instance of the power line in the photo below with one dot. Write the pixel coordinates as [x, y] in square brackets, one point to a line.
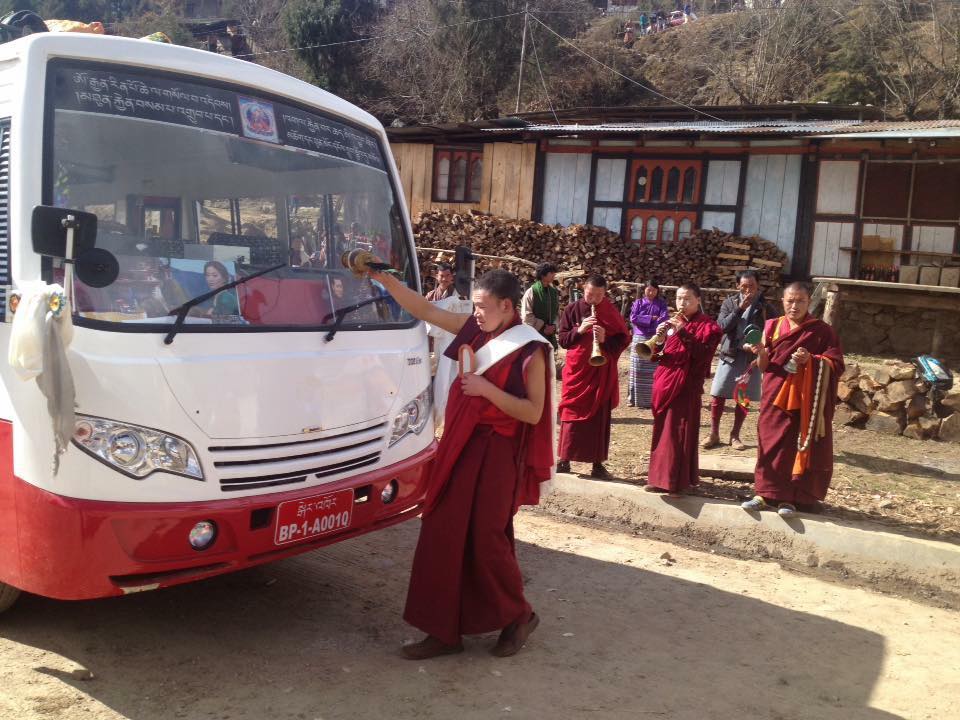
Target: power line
[543, 82]
[625, 77]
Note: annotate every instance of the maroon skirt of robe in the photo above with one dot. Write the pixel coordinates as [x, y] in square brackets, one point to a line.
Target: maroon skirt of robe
[674, 455]
[465, 578]
[587, 440]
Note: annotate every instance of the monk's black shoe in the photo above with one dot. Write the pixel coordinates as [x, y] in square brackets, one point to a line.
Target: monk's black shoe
[514, 637]
[563, 466]
[600, 472]
[429, 647]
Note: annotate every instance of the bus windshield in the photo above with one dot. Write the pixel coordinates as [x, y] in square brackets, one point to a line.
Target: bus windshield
[196, 186]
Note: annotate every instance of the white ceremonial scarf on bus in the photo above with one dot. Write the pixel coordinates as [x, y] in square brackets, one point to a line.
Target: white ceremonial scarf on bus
[42, 330]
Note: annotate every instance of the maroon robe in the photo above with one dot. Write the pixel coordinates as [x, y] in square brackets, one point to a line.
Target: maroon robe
[589, 393]
[775, 479]
[465, 578]
[677, 401]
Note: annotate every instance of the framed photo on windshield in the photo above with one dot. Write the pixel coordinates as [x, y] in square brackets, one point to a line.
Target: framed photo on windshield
[258, 120]
[197, 277]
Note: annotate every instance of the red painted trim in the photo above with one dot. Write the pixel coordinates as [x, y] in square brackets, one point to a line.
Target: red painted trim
[9, 546]
[78, 549]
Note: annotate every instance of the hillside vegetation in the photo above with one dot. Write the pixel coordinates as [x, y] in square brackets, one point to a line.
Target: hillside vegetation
[434, 61]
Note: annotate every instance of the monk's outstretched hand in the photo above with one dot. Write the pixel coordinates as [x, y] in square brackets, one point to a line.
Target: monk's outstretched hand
[475, 385]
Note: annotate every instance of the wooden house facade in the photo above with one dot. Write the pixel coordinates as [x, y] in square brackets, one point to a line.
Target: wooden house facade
[842, 193]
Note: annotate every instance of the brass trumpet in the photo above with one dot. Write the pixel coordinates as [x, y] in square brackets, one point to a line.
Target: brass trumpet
[647, 350]
[596, 356]
[672, 330]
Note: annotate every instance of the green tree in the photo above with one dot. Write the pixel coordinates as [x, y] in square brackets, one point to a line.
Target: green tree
[315, 27]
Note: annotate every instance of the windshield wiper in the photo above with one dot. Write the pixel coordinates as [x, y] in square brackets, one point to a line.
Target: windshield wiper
[181, 312]
[343, 312]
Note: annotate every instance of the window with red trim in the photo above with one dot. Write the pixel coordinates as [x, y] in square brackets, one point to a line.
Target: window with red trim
[457, 174]
[666, 181]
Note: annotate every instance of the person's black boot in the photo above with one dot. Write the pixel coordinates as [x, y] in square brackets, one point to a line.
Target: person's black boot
[600, 472]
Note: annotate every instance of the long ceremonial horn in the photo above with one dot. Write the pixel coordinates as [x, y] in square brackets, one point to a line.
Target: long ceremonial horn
[596, 356]
[648, 348]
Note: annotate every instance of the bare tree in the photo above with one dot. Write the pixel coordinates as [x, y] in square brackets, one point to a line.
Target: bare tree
[769, 54]
[450, 60]
[260, 20]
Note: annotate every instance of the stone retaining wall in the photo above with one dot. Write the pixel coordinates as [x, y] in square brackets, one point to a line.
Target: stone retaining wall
[870, 329]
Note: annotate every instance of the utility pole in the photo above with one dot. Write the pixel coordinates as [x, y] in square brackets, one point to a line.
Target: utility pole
[523, 53]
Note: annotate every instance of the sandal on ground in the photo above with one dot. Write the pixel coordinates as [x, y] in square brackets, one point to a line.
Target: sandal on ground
[514, 637]
[654, 489]
[429, 647]
[786, 510]
[758, 503]
[737, 444]
[710, 443]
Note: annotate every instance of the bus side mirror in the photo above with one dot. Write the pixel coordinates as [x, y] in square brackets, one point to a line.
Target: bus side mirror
[48, 230]
[49, 226]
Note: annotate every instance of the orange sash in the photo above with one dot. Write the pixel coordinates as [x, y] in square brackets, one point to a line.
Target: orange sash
[797, 393]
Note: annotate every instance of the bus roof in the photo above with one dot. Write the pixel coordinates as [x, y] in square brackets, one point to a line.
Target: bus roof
[128, 52]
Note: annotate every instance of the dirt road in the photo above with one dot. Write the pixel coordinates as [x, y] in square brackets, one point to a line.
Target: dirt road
[625, 634]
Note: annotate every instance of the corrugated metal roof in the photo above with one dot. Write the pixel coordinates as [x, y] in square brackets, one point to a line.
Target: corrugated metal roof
[822, 128]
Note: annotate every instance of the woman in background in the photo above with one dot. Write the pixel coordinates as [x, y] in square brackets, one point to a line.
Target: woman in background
[647, 313]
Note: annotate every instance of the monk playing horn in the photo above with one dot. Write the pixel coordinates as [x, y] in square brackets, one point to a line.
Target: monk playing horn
[689, 340]
[590, 392]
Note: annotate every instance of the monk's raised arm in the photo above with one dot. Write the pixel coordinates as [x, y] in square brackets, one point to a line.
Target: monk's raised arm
[419, 306]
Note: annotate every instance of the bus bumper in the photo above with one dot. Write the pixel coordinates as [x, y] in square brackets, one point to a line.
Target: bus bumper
[73, 549]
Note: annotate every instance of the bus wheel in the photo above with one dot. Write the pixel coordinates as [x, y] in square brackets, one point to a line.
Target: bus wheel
[8, 596]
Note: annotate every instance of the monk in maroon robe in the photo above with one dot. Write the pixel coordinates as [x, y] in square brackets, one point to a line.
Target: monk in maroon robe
[690, 339]
[801, 361]
[495, 451]
[590, 393]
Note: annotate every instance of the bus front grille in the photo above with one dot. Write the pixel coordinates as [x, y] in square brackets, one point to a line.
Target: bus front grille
[246, 467]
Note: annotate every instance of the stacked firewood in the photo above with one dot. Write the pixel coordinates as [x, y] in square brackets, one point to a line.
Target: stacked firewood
[710, 258]
[890, 399]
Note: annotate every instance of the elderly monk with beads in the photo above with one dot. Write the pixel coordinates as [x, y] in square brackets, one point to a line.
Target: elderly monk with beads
[801, 360]
[589, 393]
[688, 341]
[496, 449]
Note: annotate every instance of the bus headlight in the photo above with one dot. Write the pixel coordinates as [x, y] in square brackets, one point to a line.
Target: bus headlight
[135, 451]
[413, 418]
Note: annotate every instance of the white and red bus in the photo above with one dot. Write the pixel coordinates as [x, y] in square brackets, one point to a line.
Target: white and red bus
[287, 412]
